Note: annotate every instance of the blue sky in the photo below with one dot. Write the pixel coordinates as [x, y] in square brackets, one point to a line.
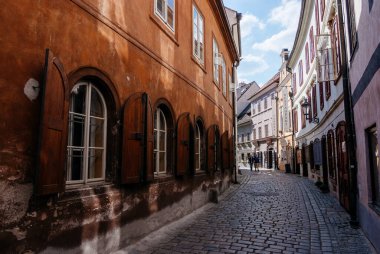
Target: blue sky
[267, 27]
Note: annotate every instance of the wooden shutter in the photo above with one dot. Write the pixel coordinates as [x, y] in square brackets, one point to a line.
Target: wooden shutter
[321, 97]
[225, 152]
[183, 144]
[311, 108]
[137, 152]
[149, 139]
[211, 149]
[53, 128]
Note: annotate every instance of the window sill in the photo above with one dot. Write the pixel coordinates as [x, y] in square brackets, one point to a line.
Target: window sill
[199, 63]
[337, 78]
[200, 173]
[172, 35]
[216, 83]
[77, 191]
[162, 178]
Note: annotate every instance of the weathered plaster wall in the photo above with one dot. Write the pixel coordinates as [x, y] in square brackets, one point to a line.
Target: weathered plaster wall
[125, 43]
[364, 66]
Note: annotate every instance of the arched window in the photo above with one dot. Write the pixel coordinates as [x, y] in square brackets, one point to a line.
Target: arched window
[160, 142]
[86, 149]
[197, 148]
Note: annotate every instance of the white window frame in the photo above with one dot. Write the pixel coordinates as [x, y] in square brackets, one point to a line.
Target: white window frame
[215, 59]
[230, 87]
[224, 81]
[199, 30]
[164, 17]
[198, 148]
[157, 151]
[86, 147]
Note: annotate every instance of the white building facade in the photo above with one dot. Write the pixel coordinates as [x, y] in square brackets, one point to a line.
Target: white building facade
[264, 130]
[316, 65]
[244, 123]
[285, 142]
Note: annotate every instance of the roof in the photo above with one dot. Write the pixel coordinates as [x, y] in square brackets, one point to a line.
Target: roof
[221, 15]
[267, 86]
[244, 93]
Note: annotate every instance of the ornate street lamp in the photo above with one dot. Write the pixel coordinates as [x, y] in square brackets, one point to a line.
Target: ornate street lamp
[306, 111]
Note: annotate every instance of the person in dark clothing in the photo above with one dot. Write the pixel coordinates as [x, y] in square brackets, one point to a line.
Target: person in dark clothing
[256, 161]
[250, 161]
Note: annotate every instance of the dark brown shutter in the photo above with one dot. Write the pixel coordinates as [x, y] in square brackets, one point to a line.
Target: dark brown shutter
[133, 139]
[225, 152]
[149, 139]
[53, 129]
[211, 149]
[183, 144]
[232, 155]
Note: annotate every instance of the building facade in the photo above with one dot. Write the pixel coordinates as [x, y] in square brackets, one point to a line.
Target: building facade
[284, 96]
[264, 130]
[362, 42]
[244, 123]
[316, 64]
[103, 144]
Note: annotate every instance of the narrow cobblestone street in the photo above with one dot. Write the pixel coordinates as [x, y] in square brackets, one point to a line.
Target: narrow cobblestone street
[268, 212]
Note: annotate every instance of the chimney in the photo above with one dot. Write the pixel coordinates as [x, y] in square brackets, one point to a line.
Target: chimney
[284, 55]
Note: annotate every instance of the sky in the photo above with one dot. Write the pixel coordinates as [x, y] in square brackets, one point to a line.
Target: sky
[267, 27]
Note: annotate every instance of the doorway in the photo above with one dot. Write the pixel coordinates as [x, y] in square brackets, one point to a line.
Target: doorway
[342, 162]
[270, 159]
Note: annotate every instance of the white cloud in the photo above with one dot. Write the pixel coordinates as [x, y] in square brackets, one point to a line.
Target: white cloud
[275, 43]
[286, 15]
[248, 23]
[258, 65]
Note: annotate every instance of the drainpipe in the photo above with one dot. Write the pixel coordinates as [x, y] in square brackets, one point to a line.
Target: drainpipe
[235, 65]
[349, 115]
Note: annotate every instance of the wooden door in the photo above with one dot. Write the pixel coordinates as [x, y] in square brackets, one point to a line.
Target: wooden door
[137, 152]
[305, 171]
[342, 162]
[270, 159]
[183, 144]
[331, 158]
[52, 148]
[324, 161]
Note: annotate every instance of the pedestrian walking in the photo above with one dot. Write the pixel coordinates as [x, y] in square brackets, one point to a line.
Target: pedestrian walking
[250, 161]
[256, 161]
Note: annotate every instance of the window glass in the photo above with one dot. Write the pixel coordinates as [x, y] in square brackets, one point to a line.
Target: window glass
[160, 7]
[215, 50]
[224, 83]
[165, 9]
[197, 34]
[95, 163]
[160, 137]
[86, 135]
[197, 148]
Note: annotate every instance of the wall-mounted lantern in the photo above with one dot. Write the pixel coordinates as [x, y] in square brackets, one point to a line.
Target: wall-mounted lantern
[306, 111]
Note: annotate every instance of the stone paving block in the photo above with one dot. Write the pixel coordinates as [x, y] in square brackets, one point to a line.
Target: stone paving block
[269, 212]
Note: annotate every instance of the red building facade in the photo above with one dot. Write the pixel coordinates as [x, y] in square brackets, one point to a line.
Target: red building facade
[117, 115]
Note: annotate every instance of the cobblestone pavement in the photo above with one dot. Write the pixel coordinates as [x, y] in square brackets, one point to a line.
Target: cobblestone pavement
[268, 212]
